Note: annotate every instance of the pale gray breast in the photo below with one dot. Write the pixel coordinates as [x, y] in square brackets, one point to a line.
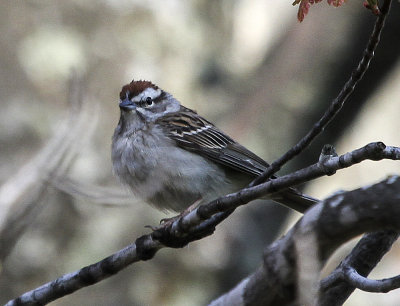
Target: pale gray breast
[164, 175]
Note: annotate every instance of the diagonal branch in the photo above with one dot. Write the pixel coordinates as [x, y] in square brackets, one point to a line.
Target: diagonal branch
[198, 224]
[337, 103]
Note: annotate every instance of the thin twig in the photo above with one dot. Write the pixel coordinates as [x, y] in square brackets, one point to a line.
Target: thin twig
[371, 285]
[337, 103]
[373, 151]
[334, 289]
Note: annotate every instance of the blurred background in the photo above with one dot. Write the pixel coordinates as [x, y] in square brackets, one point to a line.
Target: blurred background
[248, 66]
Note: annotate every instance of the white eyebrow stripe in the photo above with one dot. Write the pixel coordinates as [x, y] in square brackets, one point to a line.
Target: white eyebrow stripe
[148, 92]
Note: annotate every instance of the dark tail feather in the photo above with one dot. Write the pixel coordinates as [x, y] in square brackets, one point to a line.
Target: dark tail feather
[294, 199]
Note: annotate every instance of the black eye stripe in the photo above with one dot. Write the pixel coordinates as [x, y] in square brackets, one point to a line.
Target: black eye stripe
[159, 98]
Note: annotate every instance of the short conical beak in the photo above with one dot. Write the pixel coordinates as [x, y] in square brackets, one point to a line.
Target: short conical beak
[127, 104]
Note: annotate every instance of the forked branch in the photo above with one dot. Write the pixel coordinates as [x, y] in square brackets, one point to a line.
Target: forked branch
[201, 222]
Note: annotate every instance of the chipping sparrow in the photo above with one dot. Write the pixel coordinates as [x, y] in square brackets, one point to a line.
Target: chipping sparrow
[171, 157]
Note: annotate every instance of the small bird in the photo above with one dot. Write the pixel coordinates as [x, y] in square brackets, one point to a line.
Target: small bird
[171, 157]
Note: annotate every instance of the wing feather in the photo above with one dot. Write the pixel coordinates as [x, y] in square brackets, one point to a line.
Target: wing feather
[194, 133]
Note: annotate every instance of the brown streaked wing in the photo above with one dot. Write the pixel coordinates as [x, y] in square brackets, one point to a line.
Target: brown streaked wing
[194, 133]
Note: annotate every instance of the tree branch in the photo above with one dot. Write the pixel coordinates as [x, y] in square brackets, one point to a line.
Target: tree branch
[334, 289]
[337, 103]
[282, 279]
[370, 285]
[198, 224]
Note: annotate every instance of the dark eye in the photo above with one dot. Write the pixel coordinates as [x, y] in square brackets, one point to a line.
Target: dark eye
[149, 101]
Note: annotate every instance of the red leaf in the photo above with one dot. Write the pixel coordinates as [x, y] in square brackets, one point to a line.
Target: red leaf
[303, 9]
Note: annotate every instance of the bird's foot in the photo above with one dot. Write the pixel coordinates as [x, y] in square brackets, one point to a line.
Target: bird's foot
[165, 222]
